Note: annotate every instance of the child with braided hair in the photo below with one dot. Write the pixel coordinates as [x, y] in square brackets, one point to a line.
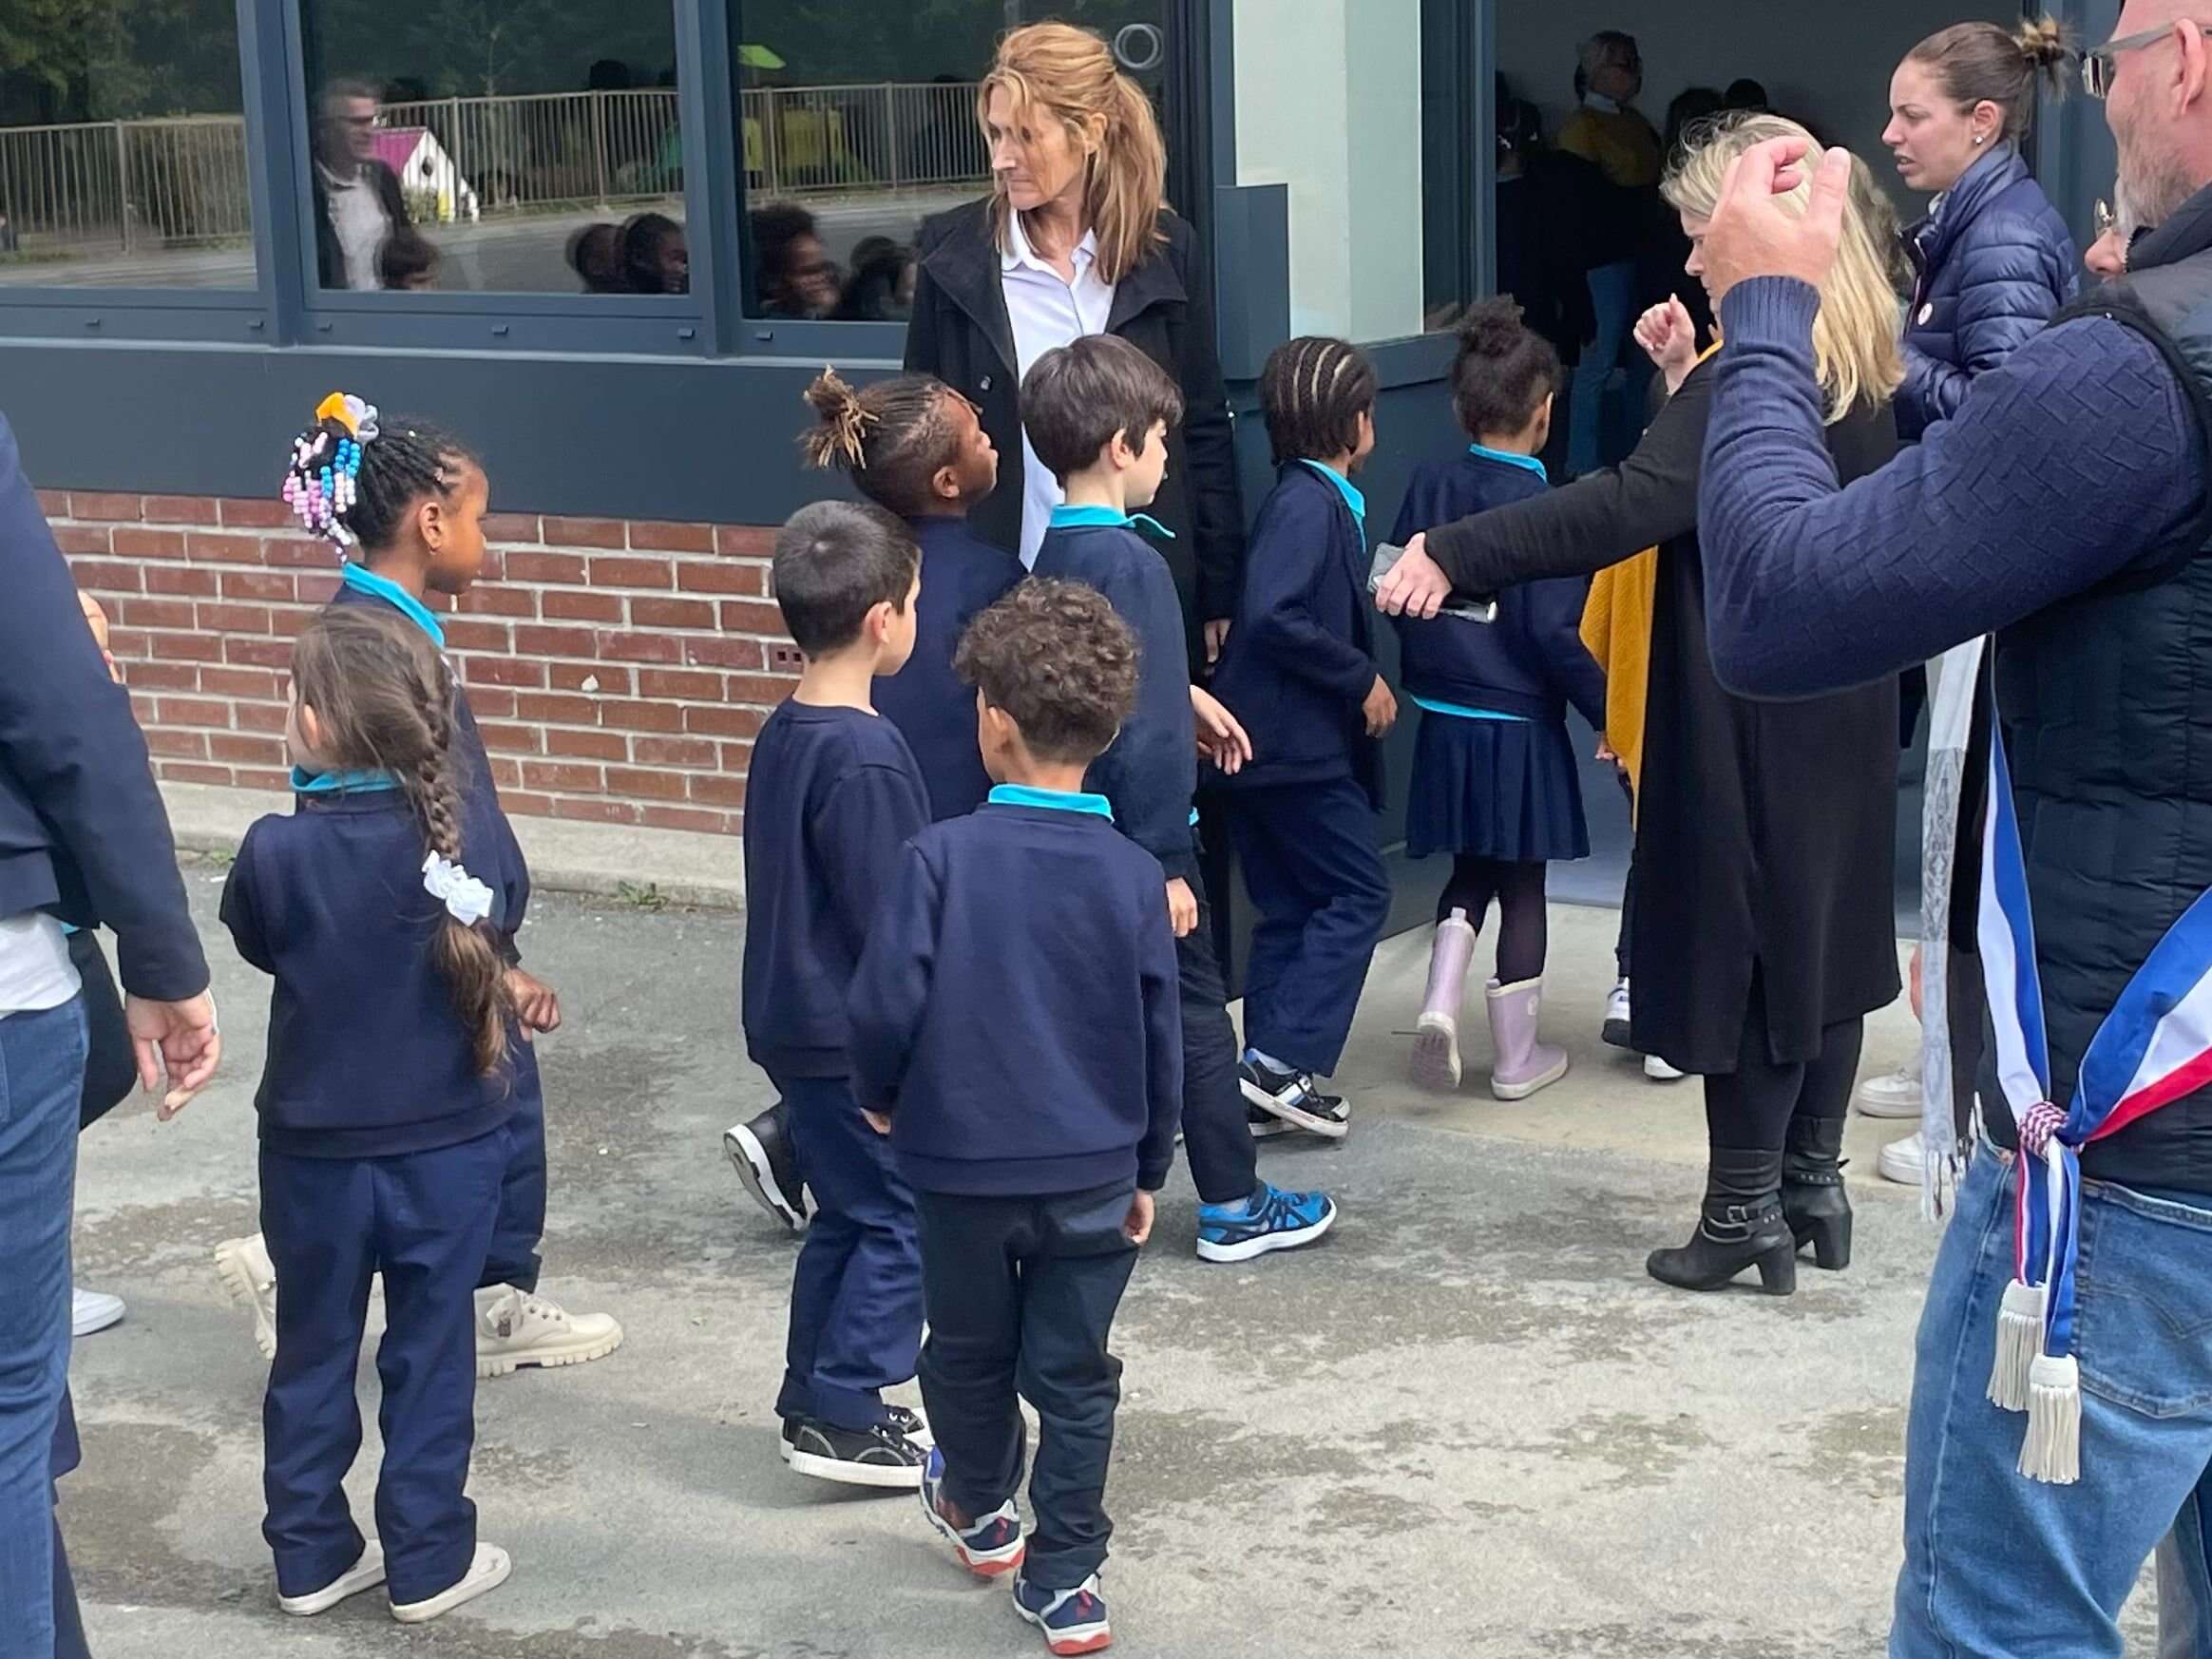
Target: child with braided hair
[404, 503]
[385, 1122]
[915, 448]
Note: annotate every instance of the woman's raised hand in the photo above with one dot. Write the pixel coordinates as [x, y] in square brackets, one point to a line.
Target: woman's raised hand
[1669, 340]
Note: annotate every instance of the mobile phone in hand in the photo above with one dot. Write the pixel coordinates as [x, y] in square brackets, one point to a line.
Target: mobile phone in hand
[1462, 609]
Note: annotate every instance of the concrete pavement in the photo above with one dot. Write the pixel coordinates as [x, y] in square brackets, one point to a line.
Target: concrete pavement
[1466, 1424]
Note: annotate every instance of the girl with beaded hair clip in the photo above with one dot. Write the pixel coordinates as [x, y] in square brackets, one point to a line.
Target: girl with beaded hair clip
[404, 503]
[384, 1118]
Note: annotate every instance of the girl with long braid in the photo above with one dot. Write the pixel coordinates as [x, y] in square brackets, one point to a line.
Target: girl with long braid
[386, 1104]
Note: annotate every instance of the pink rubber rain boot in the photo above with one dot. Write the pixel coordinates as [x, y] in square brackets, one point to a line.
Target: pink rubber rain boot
[1523, 1065]
[1435, 1043]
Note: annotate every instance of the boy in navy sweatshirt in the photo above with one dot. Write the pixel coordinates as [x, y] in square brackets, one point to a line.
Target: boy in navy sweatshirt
[914, 446]
[1097, 414]
[1015, 1031]
[1299, 669]
[411, 526]
[834, 794]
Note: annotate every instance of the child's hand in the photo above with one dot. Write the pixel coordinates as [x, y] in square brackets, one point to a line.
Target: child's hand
[1136, 1227]
[1605, 751]
[1669, 340]
[1220, 738]
[1381, 709]
[877, 1121]
[1182, 906]
[1216, 637]
[536, 1005]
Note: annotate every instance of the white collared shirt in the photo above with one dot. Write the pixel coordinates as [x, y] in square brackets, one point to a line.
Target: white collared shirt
[1047, 313]
[357, 216]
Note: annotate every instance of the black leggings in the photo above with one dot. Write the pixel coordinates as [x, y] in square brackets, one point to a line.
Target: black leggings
[1752, 1106]
[1523, 930]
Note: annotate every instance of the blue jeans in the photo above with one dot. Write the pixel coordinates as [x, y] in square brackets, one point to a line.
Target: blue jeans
[1613, 296]
[42, 1073]
[1997, 1565]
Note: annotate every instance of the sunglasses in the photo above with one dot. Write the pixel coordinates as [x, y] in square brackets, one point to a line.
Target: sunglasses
[2097, 63]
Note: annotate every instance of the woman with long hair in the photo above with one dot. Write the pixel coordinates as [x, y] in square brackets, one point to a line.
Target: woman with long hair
[1764, 853]
[1076, 238]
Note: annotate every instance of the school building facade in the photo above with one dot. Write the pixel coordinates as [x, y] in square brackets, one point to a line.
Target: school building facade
[175, 299]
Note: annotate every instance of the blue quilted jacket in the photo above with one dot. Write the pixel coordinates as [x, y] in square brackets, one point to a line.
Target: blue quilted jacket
[1995, 264]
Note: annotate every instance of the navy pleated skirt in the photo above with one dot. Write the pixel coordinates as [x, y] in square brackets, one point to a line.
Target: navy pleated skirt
[1506, 790]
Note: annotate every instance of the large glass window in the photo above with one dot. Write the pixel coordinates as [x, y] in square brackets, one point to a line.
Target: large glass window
[514, 146]
[859, 121]
[123, 155]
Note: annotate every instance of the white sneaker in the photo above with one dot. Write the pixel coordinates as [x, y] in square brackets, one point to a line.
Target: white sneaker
[515, 1330]
[1616, 1016]
[1903, 1161]
[1659, 1072]
[250, 1277]
[1896, 1095]
[91, 1310]
[487, 1572]
[366, 1574]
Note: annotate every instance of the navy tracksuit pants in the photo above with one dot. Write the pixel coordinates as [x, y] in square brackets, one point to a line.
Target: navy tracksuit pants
[1021, 1293]
[856, 1293]
[1316, 878]
[1217, 1141]
[424, 1220]
[521, 1227]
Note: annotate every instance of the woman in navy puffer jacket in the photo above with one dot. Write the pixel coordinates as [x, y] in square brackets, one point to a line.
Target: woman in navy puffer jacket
[1994, 257]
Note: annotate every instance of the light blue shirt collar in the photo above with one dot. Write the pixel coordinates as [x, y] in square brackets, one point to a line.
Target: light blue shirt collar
[332, 783]
[1507, 458]
[1345, 487]
[1058, 800]
[1080, 517]
[1598, 100]
[363, 580]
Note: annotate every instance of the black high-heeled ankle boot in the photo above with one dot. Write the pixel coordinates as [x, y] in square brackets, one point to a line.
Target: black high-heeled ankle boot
[1740, 1225]
[1813, 1198]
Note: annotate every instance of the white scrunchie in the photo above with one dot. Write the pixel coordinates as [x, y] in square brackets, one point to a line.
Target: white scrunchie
[466, 900]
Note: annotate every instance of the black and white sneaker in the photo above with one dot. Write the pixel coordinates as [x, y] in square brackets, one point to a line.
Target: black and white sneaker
[1292, 1097]
[881, 1457]
[1263, 1125]
[760, 1151]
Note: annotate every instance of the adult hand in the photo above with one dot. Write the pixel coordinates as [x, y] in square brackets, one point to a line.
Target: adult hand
[1182, 907]
[1221, 739]
[1416, 585]
[1136, 1228]
[1381, 709]
[177, 1038]
[1216, 637]
[1669, 340]
[1751, 234]
[878, 1121]
[1605, 751]
[535, 1004]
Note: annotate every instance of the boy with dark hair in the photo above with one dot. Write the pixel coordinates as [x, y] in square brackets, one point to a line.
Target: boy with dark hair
[835, 792]
[1015, 1033]
[1096, 414]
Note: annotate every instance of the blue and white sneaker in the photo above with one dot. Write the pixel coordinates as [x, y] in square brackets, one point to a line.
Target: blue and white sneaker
[1293, 1097]
[992, 1545]
[1074, 1621]
[1271, 1219]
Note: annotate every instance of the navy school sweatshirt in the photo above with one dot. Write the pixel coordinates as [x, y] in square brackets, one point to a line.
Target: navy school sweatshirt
[489, 847]
[366, 1056]
[1016, 1008]
[1299, 660]
[1149, 772]
[961, 574]
[1530, 662]
[833, 795]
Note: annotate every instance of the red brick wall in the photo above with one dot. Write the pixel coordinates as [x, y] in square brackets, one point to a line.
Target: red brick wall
[619, 669]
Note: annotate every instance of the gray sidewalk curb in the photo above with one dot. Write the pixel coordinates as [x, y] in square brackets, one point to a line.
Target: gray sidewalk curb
[610, 861]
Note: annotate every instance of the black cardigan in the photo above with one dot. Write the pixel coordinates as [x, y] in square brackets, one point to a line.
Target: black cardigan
[1765, 831]
[960, 332]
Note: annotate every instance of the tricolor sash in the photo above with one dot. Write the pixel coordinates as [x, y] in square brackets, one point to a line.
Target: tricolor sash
[2154, 1047]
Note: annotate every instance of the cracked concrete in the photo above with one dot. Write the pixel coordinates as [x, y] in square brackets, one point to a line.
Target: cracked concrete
[1467, 1425]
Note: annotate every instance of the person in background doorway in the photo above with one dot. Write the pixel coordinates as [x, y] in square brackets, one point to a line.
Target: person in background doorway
[1546, 203]
[656, 257]
[881, 288]
[1609, 131]
[1747, 96]
[1765, 838]
[357, 201]
[1993, 264]
[1494, 778]
[796, 277]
